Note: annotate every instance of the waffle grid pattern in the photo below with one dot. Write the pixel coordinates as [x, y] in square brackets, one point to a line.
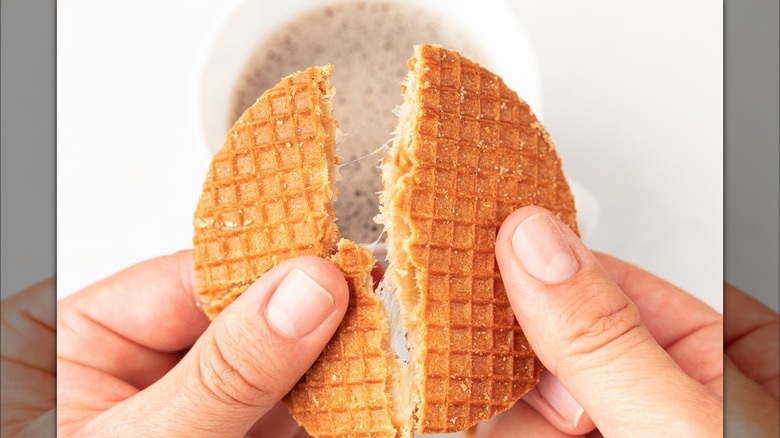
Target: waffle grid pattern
[480, 155]
[345, 392]
[267, 194]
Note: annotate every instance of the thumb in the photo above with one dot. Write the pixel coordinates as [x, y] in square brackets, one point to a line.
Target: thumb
[588, 333]
[253, 353]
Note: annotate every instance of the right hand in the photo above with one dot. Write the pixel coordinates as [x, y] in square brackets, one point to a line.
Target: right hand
[627, 353]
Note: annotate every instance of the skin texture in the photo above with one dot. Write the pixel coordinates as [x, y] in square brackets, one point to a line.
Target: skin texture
[127, 367]
[27, 375]
[228, 383]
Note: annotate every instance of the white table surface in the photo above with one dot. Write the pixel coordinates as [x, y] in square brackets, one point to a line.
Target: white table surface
[632, 96]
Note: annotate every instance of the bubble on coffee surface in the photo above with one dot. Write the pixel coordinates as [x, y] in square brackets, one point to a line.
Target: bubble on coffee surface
[369, 44]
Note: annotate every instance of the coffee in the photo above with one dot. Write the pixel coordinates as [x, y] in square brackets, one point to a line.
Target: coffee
[369, 44]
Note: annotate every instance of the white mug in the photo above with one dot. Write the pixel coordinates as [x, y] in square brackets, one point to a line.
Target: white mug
[491, 26]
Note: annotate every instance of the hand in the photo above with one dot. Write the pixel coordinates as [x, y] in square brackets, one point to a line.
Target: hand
[752, 348]
[626, 352]
[27, 373]
[137, 357]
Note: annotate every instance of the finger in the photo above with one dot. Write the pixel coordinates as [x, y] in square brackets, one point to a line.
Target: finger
[276, 423]
[83, 393]
[750, 410]
[589, 334]
[519, 421]
[139, 303]
[27, 392]
[752, 338]
[27, 319]
[40, 426]
[249, 358]
[27, 366]
[659, 302]
[690, 331]
[132, 324]
[551, 399]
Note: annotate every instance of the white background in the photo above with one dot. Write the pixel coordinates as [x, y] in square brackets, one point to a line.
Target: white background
[632, 96]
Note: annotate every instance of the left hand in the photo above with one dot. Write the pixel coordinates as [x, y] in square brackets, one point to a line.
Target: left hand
[137, 357]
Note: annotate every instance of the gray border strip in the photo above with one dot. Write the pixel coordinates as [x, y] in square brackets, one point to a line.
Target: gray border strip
[752, 148]
[27, 139]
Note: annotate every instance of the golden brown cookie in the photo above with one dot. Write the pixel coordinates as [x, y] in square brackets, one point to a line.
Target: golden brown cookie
[467, 153]
[269, 192]
[348, 391]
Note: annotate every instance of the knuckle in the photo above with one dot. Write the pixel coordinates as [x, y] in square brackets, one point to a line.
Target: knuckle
[600, 324]
[228, 373]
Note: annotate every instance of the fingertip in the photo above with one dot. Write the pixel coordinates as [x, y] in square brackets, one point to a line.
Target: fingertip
[554, 402]
[324, 273]
[303, 298]
[504, 250]
[521, 417]
[514, 220]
